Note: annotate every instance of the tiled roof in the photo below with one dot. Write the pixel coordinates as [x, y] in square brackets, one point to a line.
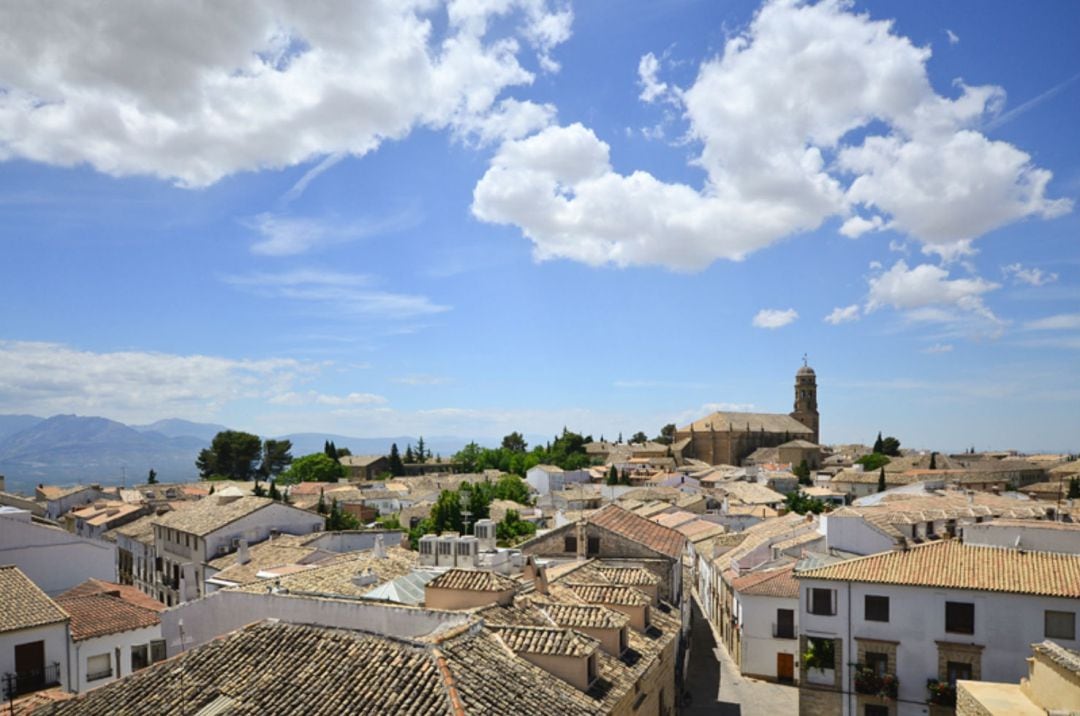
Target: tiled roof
[750, 493]
[755, 422]
[633, 576]
[472, 580]
[583, 616]
[1061, 656]
[639, 529]
[609, 594]
[24, 605]
[277, 551]
[554, 641]
[952, 564]
[335, 576]
[773, 583]
[280, 668]
[131, 595]
[100, 614]
[208, 515]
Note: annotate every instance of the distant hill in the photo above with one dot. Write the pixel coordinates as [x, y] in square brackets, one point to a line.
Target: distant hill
[16, 423]
[177, 428]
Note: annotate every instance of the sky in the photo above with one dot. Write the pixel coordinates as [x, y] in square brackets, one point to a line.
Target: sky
[480, 216]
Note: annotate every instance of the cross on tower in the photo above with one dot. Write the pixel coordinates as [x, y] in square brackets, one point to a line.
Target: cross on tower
[804, 359]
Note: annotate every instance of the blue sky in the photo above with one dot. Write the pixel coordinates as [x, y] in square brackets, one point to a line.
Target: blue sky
[489, 216]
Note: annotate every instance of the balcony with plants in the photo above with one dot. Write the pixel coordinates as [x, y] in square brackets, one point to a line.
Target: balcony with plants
[940, 693]
[870, 682]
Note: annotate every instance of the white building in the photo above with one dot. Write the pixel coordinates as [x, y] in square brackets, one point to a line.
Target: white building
[947, 610]
[59, 500]
[766, 607]
[54, 559]
[186, 540]
[33, 637]
[114, 631]
[546, 479]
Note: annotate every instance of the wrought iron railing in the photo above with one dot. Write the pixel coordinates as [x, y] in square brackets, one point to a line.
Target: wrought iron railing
[784, 631]
[24, 682]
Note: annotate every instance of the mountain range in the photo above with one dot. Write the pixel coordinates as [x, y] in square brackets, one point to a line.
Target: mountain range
[69, 449]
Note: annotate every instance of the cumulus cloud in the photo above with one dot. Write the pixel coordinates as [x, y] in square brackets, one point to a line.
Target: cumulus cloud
[1031, 276]
[346, 293]
[652, 88]
[926, 293]
[1060, 322]
[249, 86]
[843, 315]
[778, 159]
[133, 386]
[774, 317]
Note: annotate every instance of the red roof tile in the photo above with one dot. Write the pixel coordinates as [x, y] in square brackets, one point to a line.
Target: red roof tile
[131, 595]
[639, 529]
[99, 614]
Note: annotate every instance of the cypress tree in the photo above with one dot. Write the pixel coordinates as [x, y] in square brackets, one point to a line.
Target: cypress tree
[881, 480]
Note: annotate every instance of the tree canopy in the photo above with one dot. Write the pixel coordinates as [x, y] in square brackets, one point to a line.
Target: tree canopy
[514, 442]
[276, 456]
[397, 467]
[232, 454]
[873, 461]
[639, 437]
[667, 434]
[566, 451]
[316, 467]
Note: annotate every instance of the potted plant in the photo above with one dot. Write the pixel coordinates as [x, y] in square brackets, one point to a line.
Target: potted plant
[942, 693]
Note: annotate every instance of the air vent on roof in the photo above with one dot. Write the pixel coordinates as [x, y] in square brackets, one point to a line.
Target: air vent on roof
[365, 578]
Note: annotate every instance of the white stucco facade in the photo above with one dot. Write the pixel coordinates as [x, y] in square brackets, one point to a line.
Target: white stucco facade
[118, 649]
[55, 640]
[761, 640]
[52, 558]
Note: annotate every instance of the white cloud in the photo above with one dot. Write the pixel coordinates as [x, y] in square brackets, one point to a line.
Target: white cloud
[925, 293]
[774, 318]
[765, 133]
[1060, 322]
[312, 397]
[652, 88]
[421, 379]
[843, 315]
[134, 386]
[938, 348]
[1030, 276]
[954, 39]
[345, 293]
[249, 86]
[290, 235]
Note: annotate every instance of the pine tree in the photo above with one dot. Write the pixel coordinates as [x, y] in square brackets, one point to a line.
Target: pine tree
[625, 478]
[613, 476]
[397, 469]
[410, 456]
[211, 490]
[879, 445]
[258, 490]
[1074, 488]
[933, 461]
[151, 477]
[321, 507]
[422, 454]
[881, 480]
[274, 494]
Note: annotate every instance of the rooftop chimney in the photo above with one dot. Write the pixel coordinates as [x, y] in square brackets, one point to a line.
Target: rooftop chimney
[582, 539]
[541, 579]
[242, 554]
[380, 550]
[365, 578]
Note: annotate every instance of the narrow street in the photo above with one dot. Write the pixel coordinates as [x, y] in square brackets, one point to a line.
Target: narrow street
[717, 688]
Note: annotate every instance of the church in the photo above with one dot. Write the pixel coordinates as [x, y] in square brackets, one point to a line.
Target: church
[727, 438]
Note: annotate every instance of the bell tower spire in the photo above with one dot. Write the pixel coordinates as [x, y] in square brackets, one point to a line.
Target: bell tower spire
[806, 409]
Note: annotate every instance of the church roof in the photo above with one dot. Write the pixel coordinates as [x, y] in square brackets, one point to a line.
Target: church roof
[738, 422]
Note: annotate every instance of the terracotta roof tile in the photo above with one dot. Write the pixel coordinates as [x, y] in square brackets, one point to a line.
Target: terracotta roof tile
[24, 604]
[583, 616]
[472, 580]
[639, 529]
[100, 614]
[547, 640]
[610, 594]
[952, 564]
[131, 595]
[772, 583]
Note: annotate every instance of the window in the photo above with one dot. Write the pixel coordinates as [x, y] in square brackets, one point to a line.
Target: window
[960, 617]
[594, 545]
[785, 624]
[569, 544]
[875, 710]
[876, 608]
[140, 657]
[157, 651]
[957, 670]
[877, 662]
[1060, 625]
[820, 653]
[822, 601]
[98, 667]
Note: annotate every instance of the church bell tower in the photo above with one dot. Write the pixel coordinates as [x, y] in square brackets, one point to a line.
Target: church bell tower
[806, 411]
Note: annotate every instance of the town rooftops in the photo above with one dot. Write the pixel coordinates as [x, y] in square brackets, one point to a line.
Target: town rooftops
[1067, 658]
[755, 422]
[951, 564]
[95, 615]
[472, 580]
[554, 641]
[639, 529]
[750, 493]
[276, 668]
[770, 583]
[131, 595]
[552, 469]
[633, 576]
[339, 576]
[609, 594]
[24, 605]
[583, 616]
[359, 460]
[806, 444]
[210, 515]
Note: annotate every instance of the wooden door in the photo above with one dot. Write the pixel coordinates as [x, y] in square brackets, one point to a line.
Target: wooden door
[30, 658]
[785, 667]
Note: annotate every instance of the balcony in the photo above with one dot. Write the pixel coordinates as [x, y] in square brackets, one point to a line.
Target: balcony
[940, 693]
[784, 631]
[26, 681]
[870, 682]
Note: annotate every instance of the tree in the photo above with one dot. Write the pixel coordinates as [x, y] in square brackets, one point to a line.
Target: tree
[878, 445]
[321, 507]
[397, 468]
[422, 453]
[330, 449]
[613, 476]
[151, 477]
[933, 461]
[801, 503]
[338, 519]
[619, 441]
[639, 438]
[316, 467]
[513, 528]
[881, 480]
[258, 490]
[1074, 488]
[802, 471]
[410, 457]
[512, 487]
[232, 454]
[211, 490]
[890, 446]
[276, 456]
[873, 461]
[343, 452]
[470, 457]
[667, 434]
[274, 493]
[514, 442]
[624, 479]
[446, 512]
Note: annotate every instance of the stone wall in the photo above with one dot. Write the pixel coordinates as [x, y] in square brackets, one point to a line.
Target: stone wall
[966, 705]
